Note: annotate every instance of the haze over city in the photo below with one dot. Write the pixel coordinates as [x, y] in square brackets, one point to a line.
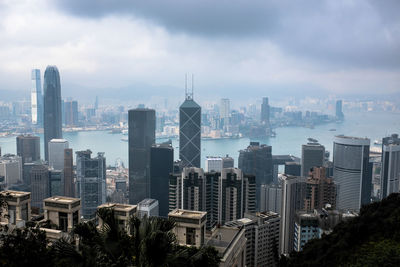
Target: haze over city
[135, 49]
[199, 133]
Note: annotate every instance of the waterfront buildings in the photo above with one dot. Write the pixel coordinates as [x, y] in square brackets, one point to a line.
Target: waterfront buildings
[265, 112]
[161, 166]
[91, 181]
[224, 112]
[71, 112]
[390, 171]
[339, 111]
[52, 123]
[28, 148]
[262, 234]
[190, 132]
[256, 159]
[352, 172]
[312, 155]
[36, 98]
[142, 129]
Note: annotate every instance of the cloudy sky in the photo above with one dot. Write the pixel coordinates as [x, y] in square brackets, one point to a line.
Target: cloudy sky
[236, 48]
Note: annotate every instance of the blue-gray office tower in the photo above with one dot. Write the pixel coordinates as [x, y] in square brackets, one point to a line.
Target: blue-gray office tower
[52, 107]
[352, 172]
[91, 181]
[190, 132]
[142, 135]
[256, 160]
[339, 111]
[161, 166]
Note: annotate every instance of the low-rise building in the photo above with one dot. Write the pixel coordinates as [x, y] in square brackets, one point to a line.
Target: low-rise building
[64, 212]
[18, 208]
[190, 227]
[230, 242]
[148, 207]
[122, 213]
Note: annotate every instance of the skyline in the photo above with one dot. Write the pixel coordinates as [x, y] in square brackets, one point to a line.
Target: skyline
[133, 48]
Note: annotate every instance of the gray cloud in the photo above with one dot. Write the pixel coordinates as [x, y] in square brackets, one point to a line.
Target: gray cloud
[350, 34]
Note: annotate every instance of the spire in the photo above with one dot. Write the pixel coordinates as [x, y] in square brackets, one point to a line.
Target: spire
[189, 95]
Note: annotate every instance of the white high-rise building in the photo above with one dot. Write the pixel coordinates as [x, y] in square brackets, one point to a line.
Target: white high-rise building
[216, 164]
[10, 169]
[390, 172]
[351, 172]
[224, 109]
[36, 98]
[56, 153]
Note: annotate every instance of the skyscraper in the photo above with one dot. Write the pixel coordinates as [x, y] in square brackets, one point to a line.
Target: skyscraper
[161, 166]
[52, 107]
[28, 148]
[69, 187]
[56, 153]
[312, 155]
[339, 111]
[256, 159]
[190, 132]
[36, 98]
[320, 190]
[224, 112]
[265, 114]
[390, 171]
[225, 195]
[91, 179]
[39, 176]
[351, 172]
[71, 112]
[142, 131]
[293, 192]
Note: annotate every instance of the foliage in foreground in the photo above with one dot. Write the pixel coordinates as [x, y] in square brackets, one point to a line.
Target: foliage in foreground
[149, 243]
[372, 239]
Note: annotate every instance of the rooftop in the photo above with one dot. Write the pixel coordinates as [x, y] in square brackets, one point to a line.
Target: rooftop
[221, 238]
[147, 202]
[62, 199]
[118, 206]
[188, 213]
[14, 193]
[58, 141]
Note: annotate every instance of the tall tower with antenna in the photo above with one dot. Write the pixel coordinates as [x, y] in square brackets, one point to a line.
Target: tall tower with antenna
[190, 129]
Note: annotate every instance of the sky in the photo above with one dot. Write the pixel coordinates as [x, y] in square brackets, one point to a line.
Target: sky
[235, 48]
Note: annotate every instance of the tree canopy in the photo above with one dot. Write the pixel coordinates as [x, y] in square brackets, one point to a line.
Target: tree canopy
[371, 239]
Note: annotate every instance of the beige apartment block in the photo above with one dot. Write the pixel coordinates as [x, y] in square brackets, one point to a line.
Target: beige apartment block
[190, 226]
[122, 213]
[65, 212]
[18, 208]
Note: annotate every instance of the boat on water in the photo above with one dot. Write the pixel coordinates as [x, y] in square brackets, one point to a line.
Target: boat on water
[332, 130]
[312, 140]
[124, 139]
[115, 131]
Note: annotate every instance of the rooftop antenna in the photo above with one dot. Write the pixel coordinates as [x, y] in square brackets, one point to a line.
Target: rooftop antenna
[186, 93]
[192, 84]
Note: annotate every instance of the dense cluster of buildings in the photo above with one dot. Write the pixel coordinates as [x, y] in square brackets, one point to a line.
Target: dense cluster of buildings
[251, 214]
